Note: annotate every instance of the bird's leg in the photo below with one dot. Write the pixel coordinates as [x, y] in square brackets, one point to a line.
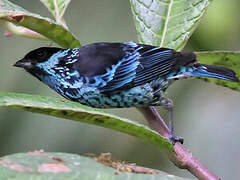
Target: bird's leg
[168, 105]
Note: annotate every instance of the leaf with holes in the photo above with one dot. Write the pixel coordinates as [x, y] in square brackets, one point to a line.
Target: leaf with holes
[226, 59]
[44, 26]
[77, 112]
[38, 165]
[167, 23]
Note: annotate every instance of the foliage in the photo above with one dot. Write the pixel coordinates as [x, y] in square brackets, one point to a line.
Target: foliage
[56, 166]
[52, 30]
[167, 23]
[77, 112]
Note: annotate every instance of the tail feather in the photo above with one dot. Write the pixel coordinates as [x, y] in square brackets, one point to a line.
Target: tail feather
[215, 72]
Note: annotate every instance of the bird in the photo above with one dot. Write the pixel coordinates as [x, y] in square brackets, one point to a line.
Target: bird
[117, 75]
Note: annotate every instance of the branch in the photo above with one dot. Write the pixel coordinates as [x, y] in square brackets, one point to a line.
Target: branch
[182, 157]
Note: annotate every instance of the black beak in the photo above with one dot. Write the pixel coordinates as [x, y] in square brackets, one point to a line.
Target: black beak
[24, 63]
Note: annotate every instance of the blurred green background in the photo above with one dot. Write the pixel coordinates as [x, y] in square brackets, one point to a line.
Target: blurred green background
[206, 115]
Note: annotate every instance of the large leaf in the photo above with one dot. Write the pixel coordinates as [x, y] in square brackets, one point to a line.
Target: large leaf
[77, 112]
[226, 59]
[38, 165]
[12, 29]
[44, 26]
[167, 23]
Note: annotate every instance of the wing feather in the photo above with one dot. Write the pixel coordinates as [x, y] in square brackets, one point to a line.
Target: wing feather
[124, 73]
[116, 66]
[141, 66]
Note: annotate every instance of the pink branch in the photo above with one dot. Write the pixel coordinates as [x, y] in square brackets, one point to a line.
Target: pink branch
[182, 158]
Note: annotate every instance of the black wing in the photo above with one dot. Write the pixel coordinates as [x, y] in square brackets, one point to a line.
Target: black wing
[156, 62]
[126, 65]
[145, 64]
[95, 58]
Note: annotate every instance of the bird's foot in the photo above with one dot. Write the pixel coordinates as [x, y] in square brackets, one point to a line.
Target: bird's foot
[173, 139]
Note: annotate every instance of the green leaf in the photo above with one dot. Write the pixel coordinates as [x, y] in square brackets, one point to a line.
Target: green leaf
[226, 59]
[167, 23]
[56, 7]
[20, 31]
[44, 26]
[62, 166]
[77, 112]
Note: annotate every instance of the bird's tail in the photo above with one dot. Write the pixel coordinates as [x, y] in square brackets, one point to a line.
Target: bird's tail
[214, 71]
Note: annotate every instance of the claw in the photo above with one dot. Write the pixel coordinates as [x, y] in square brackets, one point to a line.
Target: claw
[173, 139]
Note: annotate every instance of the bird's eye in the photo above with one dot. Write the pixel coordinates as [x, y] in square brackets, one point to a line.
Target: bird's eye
[40, 54]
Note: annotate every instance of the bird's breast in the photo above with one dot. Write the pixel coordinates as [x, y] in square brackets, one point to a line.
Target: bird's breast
[144, 95]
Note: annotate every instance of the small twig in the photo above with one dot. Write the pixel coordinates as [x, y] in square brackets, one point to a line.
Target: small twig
[182, 158]
[121, 166]
[185, 160]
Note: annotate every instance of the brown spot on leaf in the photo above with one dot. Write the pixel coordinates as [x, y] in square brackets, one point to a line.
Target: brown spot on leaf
[14, 166]
[53, 167]
[41, 152]
[16, 18]
[107, 160]
[99, 120]
[57, 159]
[64, 112]
[62, 100]
[27, 108]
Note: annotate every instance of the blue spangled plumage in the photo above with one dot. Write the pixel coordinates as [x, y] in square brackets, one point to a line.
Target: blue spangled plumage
[109, 75]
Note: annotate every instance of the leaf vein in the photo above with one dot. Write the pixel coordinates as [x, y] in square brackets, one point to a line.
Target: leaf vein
[166, 23]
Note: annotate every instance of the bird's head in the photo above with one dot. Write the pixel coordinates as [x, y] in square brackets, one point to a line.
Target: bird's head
[34, 57]
[36, 62]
